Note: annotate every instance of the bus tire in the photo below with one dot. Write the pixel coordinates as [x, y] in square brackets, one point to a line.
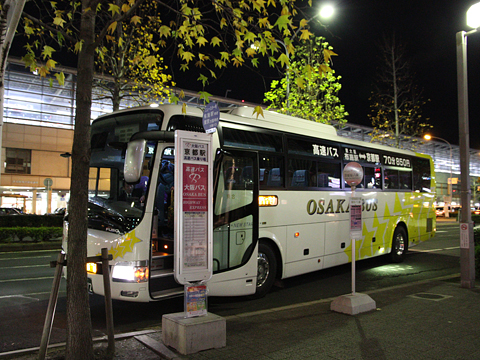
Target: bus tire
[267, 270]
[399, 245]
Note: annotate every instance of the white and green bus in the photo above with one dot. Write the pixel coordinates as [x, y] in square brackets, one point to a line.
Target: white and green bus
[281, 206]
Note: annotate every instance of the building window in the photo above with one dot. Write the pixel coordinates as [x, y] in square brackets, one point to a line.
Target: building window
[18, 161]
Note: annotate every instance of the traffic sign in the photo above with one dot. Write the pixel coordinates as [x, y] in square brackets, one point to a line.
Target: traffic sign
[211, 117]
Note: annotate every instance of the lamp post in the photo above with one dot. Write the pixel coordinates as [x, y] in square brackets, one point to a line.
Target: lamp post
[449, 182]
[467, 254]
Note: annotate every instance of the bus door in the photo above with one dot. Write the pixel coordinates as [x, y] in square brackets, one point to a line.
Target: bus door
[235, 217]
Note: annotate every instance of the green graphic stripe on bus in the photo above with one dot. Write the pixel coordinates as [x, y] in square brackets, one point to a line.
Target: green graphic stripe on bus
[412, 209]
[125, 245]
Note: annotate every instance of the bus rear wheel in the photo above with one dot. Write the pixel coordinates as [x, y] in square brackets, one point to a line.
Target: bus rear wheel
[399, 245]
[266, 270]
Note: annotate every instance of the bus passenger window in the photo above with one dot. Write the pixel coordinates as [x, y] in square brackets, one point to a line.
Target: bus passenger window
[300, 178]
[274, 177]
[405, 180]
[329, 175]
[271, 171]
[372, 177]
[390, 179]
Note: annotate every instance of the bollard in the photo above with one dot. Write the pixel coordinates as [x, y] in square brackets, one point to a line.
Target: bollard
[108, 303]
[52, 305]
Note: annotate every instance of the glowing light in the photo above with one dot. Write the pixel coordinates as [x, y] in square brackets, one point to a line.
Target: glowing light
[327, 11]
[92, 268]
[473, 16]
[270, 200]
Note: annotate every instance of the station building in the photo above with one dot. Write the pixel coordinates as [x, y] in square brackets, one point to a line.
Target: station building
[37, 138]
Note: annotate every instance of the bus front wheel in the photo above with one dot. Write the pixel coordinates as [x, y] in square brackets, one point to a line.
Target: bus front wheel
[267, 270]
[399, 245]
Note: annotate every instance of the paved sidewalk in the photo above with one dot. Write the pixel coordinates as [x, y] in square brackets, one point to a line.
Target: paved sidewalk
[426, 320]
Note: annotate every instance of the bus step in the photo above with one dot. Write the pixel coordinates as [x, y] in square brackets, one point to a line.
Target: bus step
[163, 262]
[164, 286]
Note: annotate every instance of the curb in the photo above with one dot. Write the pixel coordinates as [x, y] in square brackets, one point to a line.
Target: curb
[63, 344]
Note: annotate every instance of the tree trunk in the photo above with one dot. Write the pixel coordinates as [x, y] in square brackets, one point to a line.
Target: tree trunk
[79, 326]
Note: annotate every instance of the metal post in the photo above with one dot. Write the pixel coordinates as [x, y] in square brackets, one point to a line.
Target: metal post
[52, 305]
[354, 252]
[467, 255]
[108, 304]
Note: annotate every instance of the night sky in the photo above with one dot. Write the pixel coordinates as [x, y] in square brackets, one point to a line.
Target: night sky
[426, 28]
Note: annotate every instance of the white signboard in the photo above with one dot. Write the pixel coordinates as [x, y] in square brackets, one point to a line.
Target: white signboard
[355, 218]
[353, 173]
[193, 207]
[464, 238]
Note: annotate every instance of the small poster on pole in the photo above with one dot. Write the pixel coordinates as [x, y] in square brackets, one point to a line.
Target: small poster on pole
[355, 218]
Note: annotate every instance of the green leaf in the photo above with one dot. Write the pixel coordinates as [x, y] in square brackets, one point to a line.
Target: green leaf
[283, 59]
[282, 22]
[47, 51]
[258, 110]
[204, 96]
[60, 78]
[187, 56]
[215, 41]
[78, 46]
[114, 9]
[164, 31]
[203, 79]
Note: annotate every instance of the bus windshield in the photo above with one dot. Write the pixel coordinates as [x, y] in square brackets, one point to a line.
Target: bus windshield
[110, 197]
[108, 190]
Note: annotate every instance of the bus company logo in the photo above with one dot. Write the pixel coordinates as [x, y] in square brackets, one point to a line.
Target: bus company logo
[337, 207]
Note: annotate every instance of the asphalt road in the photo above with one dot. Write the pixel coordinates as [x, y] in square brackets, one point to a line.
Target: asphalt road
[26, 280]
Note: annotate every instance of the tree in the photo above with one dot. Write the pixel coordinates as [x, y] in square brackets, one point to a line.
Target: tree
[209, 34]
[396, 103]
[131, 59]
[313, 94]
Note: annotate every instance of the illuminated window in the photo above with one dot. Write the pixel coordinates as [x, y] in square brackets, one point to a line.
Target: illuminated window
[18, 161]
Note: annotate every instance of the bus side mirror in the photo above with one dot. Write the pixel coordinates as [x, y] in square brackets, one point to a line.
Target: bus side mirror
[134, 160]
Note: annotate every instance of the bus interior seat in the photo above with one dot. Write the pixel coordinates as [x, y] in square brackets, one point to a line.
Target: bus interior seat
[322, 180]
[274, 177]
[300, 178]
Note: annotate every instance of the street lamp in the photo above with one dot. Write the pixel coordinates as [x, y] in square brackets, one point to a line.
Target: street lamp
[449, 182]
[467, 254]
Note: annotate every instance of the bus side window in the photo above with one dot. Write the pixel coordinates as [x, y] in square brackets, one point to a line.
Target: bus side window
[300, 178]
[274, 177]
[405, 180]
[391, 179]
[271, 170]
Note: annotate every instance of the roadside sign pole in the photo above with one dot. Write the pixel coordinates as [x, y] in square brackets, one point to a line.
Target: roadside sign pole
[353, 303]
[195, 329]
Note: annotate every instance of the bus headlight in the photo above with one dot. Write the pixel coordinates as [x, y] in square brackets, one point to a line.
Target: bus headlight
[136, 271]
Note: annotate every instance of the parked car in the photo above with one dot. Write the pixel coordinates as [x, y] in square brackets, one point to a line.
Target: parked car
[60, 211]
[10, 211]
[453, 211]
